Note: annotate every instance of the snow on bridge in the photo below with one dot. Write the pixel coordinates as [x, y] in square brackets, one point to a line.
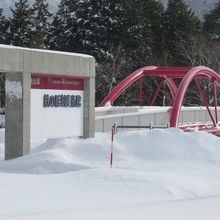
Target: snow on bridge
[143, 116]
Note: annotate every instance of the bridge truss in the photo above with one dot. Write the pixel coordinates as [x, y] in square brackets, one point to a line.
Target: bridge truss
[168, 75]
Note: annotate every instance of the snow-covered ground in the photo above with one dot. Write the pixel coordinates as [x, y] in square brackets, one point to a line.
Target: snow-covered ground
[157, 174]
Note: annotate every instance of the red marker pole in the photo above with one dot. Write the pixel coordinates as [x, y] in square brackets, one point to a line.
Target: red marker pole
[112, 144]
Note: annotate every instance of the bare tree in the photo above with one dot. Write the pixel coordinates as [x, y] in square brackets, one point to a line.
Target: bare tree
[109, 72]
[201, 52]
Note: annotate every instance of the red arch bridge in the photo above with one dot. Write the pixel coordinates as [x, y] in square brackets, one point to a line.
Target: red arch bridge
[178, 80]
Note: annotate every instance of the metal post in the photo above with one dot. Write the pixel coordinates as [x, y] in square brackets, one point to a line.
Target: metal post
[112, 142]
[215, 101]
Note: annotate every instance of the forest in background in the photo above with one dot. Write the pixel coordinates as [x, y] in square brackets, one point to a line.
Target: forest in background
[122, 36]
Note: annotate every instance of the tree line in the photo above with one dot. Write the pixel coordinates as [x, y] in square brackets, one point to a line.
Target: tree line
[122, 36]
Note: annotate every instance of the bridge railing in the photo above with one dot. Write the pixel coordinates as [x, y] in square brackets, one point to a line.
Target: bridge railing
[142, 116]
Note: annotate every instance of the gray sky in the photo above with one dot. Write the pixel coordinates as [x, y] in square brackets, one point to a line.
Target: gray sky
[7, 4]
[201, 7]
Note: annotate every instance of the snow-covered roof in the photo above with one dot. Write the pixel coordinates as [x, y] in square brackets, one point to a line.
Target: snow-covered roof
[27, 60]
[46, 51]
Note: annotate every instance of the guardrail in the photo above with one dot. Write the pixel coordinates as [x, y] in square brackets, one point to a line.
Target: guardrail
[115, 129]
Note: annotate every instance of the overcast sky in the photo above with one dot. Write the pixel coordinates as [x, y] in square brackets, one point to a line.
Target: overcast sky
[201, 7]
[7, 4]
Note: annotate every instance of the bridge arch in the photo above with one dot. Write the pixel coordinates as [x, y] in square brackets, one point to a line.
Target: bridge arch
[167, 74]
[194, 74]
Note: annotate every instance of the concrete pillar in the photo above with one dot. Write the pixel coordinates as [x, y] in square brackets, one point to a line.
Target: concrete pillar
[89, 108]
[26, 112]
[17, 118]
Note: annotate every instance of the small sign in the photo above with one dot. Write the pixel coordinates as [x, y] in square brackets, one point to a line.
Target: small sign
[40, 81]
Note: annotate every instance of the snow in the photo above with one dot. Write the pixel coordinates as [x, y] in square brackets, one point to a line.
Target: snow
[13, 90]
[2, 120]
[156, 174]
[45, 51]
[2, 117]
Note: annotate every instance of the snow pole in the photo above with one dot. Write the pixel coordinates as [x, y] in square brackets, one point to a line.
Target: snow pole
[112, 143]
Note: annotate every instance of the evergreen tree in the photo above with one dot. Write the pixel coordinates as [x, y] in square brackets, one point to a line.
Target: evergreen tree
[99, 26]
[63, 32]
[20, 24]
[180, 24]
[40, 23]
[121, 35]
[154, 11]
[54, 34]
[3, 28]
[211, 24]
[138, 36]
[96, 26]
[134, 24]
[91, 26]
[144, 29]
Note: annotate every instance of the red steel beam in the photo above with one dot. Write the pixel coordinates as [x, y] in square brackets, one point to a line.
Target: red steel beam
[215, 101]
[157, 91]
[140, 91]
[205, 101]
[172, 86]
[192, 74]
[168, 74]
[177, 72]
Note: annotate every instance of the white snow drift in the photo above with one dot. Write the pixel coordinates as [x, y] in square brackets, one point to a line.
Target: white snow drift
[142, 150]
[159, 174]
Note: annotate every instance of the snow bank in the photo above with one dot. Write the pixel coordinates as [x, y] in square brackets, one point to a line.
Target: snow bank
[170, 147]
[143, 150]
[161, 174]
